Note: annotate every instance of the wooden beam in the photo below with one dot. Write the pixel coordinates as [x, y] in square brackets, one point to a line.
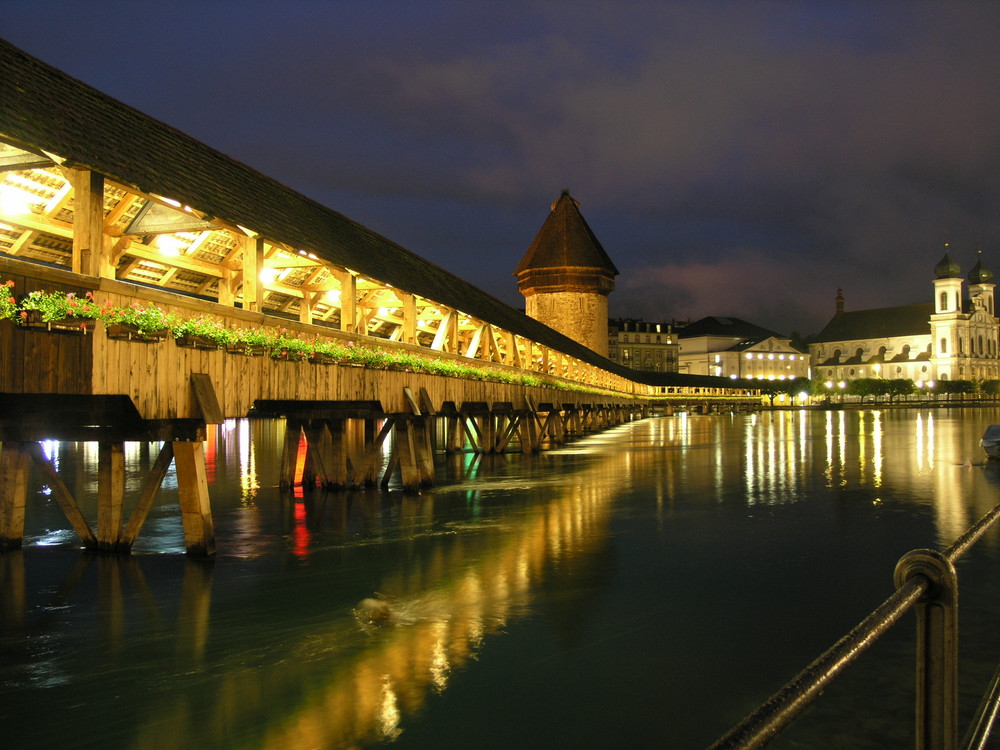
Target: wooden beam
[253, 264]
[62, 495]
[147, 495]
[88, 222]
[59, 229]
[110, 494]
[192, 488]
[348, 301]
[14, 465]
[409, 325]
[146, 252]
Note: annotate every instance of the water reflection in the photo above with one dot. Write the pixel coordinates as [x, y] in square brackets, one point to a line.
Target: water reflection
[261, 649]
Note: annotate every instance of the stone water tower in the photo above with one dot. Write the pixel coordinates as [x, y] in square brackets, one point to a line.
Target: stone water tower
[566, 277]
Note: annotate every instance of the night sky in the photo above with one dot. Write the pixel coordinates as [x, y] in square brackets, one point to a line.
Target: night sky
[740, 158]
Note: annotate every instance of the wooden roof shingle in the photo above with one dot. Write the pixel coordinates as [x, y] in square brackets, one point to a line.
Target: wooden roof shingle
[43, 109]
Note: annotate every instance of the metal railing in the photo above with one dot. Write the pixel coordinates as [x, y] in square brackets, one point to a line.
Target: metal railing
[925, 579]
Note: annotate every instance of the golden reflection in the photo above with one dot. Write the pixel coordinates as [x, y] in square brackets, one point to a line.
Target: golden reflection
[249, 483]
[877, 448]
[448, 598]
[773, 460]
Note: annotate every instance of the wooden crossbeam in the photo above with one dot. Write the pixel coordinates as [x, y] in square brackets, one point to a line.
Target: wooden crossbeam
[62, 495]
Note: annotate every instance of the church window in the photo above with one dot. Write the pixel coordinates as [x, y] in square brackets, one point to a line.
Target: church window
[981, 350]
[944, 301]
[944, 346]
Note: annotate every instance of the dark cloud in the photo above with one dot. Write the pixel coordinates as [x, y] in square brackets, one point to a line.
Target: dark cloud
[735, 158]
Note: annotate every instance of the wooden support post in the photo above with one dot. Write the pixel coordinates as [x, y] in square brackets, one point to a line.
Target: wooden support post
[367, 472]
[455, 434]
[253, 264]
[424, 450]
[192, 487]
[409, 318]
[476, 439]
[314, 467]
[406, 450]
[226, 295]
[14, 464]
[289, 453]
[62, 496]
[336, 437]
[348, 301]
[148, 494]
[88, 222]
[110, 495]
[508, 433]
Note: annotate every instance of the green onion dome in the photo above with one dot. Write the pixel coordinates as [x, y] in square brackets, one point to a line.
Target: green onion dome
[979, 274]
[947, 268]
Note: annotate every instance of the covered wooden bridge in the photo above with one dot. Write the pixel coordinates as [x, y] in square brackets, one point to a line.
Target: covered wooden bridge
[110, 217]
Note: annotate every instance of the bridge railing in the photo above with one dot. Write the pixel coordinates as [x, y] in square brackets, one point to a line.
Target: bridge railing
[926, 580]
[568, 375]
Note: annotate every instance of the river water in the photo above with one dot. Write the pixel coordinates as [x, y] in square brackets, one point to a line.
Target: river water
[647, 586]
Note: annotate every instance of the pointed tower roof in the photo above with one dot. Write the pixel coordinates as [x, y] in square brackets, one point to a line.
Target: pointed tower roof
[566, 241]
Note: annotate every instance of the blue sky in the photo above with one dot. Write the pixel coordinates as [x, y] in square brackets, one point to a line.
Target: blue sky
[734, 158]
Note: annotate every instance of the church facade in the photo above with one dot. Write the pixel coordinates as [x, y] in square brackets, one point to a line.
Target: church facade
[954, 337]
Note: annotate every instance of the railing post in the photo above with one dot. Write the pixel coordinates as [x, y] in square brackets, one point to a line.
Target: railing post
[937, 647]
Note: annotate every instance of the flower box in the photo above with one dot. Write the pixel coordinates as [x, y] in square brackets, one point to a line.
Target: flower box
[196, 342]
[129, 332]
[318, 358]
[289, 356]
[79, 326]
[246, 350]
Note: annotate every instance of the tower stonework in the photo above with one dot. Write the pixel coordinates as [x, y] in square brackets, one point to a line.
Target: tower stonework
[566, 277]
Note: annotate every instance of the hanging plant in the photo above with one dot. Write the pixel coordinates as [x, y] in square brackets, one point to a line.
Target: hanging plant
[203, 332]
[148, 320]
[8, 305]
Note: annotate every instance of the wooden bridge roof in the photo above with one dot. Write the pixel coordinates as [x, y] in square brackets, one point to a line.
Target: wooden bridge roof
[47, 112]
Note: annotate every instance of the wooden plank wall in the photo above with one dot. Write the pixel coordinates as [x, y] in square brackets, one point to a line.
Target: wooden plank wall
[156, 376]
[29, 363]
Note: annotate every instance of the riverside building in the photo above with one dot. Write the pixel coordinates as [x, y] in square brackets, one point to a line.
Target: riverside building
[953, 337]
[641, 345]
[735, 349]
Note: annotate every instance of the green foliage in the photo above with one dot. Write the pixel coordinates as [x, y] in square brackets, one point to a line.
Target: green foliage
[206, 326]
[862, 387]
[53, 306]
[8, 306]
[146, 318]
[281, 343]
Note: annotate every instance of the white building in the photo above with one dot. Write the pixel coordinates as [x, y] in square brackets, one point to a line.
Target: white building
[734, 348]
[952, 338]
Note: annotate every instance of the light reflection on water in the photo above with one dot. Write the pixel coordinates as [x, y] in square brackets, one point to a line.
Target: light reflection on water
[586, 590]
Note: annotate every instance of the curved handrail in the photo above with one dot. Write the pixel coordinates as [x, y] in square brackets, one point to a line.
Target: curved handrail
[757, 729]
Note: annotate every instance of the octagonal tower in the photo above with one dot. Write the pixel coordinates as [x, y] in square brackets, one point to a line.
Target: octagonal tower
[566, 277]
